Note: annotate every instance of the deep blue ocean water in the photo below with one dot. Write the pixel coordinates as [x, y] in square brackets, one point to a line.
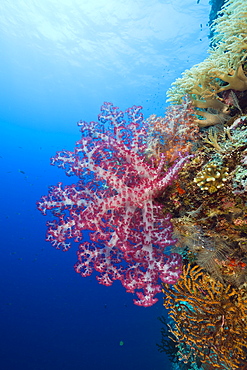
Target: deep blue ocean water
[59, 61]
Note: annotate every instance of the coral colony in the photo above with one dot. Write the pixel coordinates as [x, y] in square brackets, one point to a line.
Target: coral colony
[164, 201]
[115, 200]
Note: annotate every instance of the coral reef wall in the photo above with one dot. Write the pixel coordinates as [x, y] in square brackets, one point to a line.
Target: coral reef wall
[208, 201]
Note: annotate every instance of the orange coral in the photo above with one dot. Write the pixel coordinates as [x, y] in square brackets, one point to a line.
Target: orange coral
[173, 134]
[210, 319]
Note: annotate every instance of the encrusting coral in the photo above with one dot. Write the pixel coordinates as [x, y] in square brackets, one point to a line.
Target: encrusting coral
[212, 177]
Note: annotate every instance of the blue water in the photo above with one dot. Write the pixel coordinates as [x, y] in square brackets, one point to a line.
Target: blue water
[59, 61]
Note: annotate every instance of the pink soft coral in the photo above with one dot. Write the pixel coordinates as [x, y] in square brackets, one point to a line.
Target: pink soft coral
[115, 200]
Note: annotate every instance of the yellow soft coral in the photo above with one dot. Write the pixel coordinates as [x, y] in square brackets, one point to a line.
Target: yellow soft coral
[238, 81]
[222, 70]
